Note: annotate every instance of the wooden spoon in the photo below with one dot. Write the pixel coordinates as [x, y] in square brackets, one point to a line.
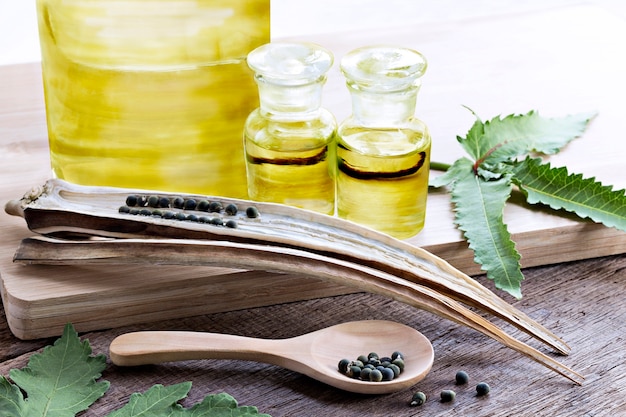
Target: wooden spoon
[315, 354]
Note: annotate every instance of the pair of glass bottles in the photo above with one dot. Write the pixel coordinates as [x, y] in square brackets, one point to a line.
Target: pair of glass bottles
[372, 168]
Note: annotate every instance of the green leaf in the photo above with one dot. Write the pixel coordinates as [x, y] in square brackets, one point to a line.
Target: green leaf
[501, 139]
[556, 188]
[11, 399]
[60, 381]
[458, 169]
[479, 207]
[163, 401]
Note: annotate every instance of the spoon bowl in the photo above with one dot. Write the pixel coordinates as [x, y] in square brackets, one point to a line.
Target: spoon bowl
[315, 354]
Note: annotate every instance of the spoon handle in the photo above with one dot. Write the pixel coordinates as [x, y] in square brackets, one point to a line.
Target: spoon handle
[152, 347]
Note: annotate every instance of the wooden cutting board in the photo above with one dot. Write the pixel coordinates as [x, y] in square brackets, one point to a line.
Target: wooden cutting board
[559, 61]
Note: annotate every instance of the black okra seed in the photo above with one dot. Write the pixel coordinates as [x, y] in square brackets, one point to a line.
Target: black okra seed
[388, 374]
[145, 212]
[192, 218]
[168, 214]
[180, 216]
[157, 213]
[124, 209]
[482, 389]
[216, 221]
[252, 212]
[231, 224]
[178, 202]
[376, 375]
[204, 219]
[418, 398]
[396, 355]
[399, 362]
[203, 205]
[190, 204]
[164, 202]
[461, 378]
[153, 201]
[231, 209]
[131, 200]
[343, 365]
[447, 395]
[215, 207]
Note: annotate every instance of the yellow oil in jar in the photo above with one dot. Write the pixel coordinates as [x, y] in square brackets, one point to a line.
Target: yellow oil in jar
[297, 171]
[150, 94]
[382, 179]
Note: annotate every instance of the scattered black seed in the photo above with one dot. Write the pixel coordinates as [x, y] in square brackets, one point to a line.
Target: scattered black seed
[252, 212]
[231, 209]
[132, 200]
[482, 389]
[203, 205]
[231, 224]
[418, 398]
[447, 395]
[164, 202]
[145, 212]
[215, 207]
[461, 378]
[192, 218]
[181, 216]
[124, 209]
[178, 202]
[216, 221]
[190, 204]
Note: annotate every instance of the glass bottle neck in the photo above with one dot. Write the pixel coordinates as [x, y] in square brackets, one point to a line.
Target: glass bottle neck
[285, 99]
[382, 108]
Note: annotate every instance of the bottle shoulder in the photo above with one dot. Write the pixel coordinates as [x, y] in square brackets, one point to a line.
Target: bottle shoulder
[402, 138]
[306, 132]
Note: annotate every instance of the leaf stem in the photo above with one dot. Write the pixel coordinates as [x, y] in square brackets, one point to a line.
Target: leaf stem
[439, 166]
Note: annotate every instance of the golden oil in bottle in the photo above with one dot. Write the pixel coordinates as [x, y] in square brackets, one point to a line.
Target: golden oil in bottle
[150, 94]
[383, 150]
[289, 139]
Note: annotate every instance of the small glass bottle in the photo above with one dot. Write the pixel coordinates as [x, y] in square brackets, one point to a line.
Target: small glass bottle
[289, 139]
[383, 150]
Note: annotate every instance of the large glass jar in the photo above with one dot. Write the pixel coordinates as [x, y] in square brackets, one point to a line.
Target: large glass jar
[383, 150]
[150, 94]
[289, 139]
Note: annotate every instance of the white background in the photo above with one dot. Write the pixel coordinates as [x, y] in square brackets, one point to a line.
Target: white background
[19, 39]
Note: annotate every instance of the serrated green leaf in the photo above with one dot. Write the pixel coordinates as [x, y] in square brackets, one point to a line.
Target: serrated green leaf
[501, 139]
[11, 399]
[157, 401]
[61, 381]
[479, 208]
[161, 401]
[458, 169]
[558, 189]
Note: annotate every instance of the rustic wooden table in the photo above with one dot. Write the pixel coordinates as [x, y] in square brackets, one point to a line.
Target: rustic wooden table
[580, 300]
